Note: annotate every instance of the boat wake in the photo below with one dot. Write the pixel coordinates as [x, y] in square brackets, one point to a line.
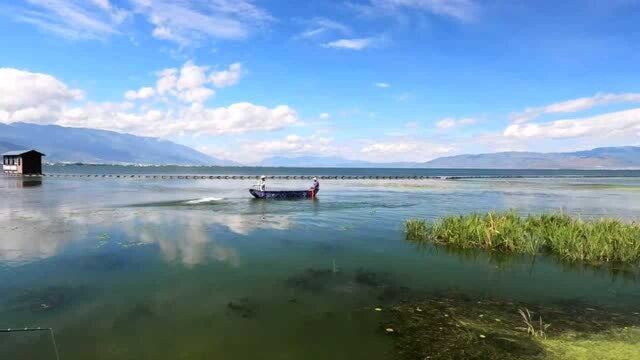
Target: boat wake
[205, 200]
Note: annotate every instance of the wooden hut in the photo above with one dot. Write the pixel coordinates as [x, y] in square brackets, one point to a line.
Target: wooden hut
[22, 162]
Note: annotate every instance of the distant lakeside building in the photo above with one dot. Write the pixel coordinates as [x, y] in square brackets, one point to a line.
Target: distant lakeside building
[22, 162]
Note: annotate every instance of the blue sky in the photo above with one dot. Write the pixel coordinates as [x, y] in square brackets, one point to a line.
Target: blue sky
[379, 80]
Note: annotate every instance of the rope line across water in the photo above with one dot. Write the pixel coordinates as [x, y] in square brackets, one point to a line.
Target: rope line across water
[27, 329]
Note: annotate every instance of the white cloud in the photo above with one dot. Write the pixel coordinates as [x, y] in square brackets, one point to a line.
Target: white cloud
[574, 105]
[449, 123]
[322, 26]
[382, 85]
[103, 4]
[324, 116]
[189, 21]
[195, 120]
[606, 125]
[351, 44]
[41, 98]
[185, 22]
[189, 85]
[143, 93]
[463, 10]
[198, 95]
[404, 150]
[36, 97]
[291, 145]
[167, 80]
[191, 76]
[190, 82]
[74, 19]
[238, 118]
[228, 77]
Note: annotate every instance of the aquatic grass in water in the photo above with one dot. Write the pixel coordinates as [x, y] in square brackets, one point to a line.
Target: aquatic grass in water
[453, 326]
[596, 241]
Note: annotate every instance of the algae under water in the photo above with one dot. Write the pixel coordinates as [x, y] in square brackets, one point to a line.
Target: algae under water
[455, 326]
[130, 268]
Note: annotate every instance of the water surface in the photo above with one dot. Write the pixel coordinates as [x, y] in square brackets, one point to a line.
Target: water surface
[196, 269]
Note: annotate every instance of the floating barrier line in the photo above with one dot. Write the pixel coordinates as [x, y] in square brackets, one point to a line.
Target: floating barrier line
[322, 177]
[50, 330]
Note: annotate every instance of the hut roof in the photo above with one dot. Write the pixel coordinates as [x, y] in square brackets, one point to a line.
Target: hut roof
[20, 152]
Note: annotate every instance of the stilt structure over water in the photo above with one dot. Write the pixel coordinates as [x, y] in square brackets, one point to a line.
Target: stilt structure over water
[22, 162]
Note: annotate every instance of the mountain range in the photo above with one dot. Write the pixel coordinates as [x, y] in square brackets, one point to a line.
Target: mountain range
[66, 144]
[623, 157]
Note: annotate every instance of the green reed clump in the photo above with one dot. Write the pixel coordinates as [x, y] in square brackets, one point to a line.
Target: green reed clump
[596, 241]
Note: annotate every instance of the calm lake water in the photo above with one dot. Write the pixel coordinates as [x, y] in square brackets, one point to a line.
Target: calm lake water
[196, 269]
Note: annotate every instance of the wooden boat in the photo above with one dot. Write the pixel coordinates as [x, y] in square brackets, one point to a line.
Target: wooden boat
[283, 195]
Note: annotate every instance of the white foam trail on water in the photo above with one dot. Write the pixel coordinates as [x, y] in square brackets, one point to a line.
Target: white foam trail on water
[203, 200]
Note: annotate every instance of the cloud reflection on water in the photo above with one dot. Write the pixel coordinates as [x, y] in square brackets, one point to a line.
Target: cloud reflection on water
[37, 234]
[185, 236]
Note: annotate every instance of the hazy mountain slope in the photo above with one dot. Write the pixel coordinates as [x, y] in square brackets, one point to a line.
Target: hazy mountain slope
[100, 146]
[7, 146]
[625, 157]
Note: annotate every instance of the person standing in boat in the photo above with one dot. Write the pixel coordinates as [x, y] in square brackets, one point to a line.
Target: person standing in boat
[316, 186]
[263, 183]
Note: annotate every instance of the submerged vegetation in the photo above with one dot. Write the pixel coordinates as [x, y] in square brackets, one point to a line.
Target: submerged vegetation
[593, 241]
[450, 326]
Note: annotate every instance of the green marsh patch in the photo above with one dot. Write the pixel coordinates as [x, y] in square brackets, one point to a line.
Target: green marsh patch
[597, 242]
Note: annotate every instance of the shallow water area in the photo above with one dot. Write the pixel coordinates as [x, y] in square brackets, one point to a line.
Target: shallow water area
[197, 269]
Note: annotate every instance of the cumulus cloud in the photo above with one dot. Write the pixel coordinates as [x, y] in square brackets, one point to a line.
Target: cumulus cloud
[290, 145]
[190, 82]
[405, 150]
[449, 123]
[35, 97]
[188, 85]
[247, 152]
[197, 95]
[606, 125]
[382, 85]
[143, 93]
[195, 120]
[167, 80]
[324, 116]
[41, 98]
[574, 105]
[191, 76]
[234, 119]
[228, 77]
[351, 44]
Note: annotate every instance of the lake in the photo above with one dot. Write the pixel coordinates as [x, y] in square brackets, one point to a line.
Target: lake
[196, 269]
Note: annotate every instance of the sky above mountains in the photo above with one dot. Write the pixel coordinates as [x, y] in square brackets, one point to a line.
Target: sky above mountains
[375, 80]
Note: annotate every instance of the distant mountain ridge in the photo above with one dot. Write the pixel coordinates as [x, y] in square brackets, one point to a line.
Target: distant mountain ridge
[623, 157]
[66, 144]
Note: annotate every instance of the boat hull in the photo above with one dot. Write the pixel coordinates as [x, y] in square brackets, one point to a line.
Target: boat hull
[282, 195]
